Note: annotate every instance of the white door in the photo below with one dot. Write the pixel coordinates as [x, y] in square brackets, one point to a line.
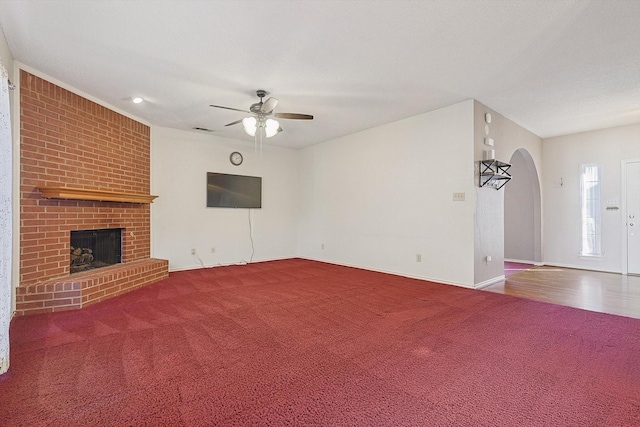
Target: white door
[633, 217]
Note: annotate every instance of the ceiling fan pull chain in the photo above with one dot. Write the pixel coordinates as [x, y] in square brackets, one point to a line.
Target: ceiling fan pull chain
[262, 135]
[259, 135]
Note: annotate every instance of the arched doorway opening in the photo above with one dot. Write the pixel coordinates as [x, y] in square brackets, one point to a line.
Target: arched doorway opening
[522, 211]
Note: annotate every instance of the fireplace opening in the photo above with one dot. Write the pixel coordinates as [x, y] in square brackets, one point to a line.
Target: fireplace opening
[95, 248]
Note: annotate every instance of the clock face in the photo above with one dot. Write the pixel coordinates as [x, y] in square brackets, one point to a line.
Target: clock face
[235, 158]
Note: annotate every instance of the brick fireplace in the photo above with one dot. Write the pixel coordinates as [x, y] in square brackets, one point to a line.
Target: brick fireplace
[69, 142]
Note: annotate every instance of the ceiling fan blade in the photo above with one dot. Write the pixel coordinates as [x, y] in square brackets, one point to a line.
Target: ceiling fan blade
[234, 123]
[294, 116]
[269, 105]
[228, 108]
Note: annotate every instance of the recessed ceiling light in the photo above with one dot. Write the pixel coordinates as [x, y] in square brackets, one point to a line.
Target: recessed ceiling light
[137, 100]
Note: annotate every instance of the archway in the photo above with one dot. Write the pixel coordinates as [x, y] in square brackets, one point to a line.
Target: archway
[522, 211]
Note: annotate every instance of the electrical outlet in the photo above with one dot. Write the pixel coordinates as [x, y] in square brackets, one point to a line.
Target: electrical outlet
[418, 258]
[322, 246]
[193, 251]
[458, 197]
[213, 249]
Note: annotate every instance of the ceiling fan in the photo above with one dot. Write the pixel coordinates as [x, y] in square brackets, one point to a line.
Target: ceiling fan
[260, 124]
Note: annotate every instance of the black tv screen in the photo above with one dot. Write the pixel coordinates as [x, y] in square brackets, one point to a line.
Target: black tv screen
[233, 191]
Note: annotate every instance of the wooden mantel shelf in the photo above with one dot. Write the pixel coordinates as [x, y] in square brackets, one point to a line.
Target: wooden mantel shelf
[100, 195]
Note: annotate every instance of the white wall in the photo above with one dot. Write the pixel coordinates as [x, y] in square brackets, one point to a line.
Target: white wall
[489, 218]
[377, 198]
[562, 159]
[5, 55]
[180, 219]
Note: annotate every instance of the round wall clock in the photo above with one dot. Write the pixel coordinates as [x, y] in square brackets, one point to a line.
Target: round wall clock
[235, 158]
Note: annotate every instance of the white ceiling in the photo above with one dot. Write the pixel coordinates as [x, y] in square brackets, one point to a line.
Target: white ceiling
[554, 67]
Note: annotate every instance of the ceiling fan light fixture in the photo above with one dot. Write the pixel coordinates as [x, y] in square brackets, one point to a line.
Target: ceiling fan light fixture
[271, 128]
[259, 125]
[250, 124]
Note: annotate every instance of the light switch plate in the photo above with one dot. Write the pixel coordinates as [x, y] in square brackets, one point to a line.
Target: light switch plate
[458, 197]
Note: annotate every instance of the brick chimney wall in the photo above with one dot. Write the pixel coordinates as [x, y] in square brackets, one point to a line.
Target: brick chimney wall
[67, 140]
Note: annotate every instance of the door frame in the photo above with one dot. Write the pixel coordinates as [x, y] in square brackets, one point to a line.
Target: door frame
[625, 244]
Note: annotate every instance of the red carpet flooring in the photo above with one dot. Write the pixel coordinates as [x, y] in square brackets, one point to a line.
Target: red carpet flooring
[302, 343]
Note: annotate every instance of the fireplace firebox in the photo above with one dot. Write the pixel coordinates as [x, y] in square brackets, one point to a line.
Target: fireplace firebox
[92, 249]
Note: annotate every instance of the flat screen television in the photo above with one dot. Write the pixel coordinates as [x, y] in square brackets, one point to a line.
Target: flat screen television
[233, 191]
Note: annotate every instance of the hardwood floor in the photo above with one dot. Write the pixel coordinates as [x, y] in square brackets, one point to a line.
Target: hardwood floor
[590, 290]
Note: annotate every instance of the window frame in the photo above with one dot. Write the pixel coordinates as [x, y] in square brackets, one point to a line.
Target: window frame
[591, 211]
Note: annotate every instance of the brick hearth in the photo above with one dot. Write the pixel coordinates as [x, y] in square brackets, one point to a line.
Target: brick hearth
[69, 141]
[82, 289]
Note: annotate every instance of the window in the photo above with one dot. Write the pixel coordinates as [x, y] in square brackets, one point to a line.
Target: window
[590, 212]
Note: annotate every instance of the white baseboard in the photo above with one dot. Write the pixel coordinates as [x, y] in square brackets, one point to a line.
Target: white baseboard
[242, 262]
[395, 273]
[580, 267]
[489, 282]
[522, 261]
